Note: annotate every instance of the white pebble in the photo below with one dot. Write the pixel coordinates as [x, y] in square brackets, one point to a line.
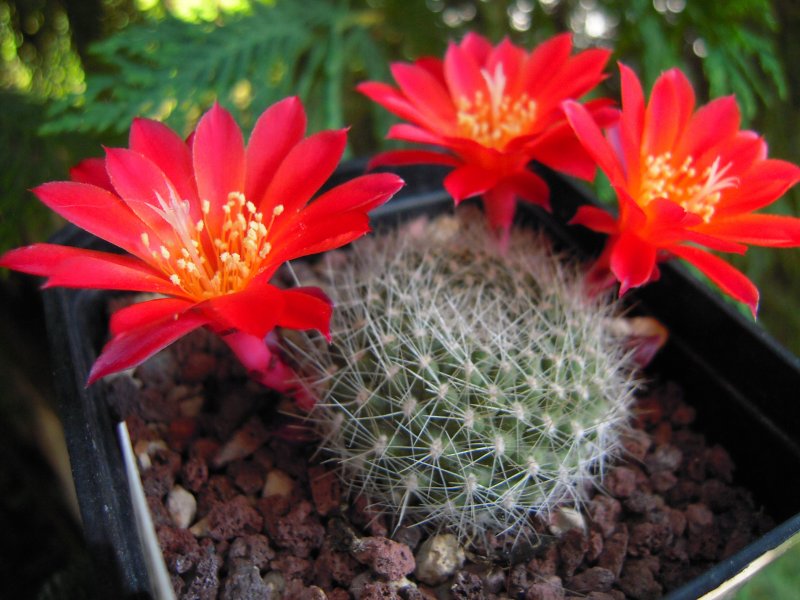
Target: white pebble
[278, 484]
[182, 507]
[438, 558]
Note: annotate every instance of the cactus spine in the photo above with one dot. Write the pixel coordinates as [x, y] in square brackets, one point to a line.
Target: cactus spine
[466, 388]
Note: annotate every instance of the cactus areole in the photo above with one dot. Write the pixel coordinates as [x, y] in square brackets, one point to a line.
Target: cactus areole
[466, 389]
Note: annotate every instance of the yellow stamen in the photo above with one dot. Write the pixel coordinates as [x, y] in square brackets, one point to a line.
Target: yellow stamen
[698, 193]
[496, 120]
[204, 266]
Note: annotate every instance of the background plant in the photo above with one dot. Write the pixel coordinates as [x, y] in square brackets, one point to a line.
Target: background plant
[90, 65]
[466, 388]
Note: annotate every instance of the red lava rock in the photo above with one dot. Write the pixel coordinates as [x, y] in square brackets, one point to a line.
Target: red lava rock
[641, 502]
[179, 547]
[621, 482]
[158, 512]
[338, 594]
[615, 548]
[594, 579]
[605, 511]
[246, 440]
[683, 415]
[548, 589]
[638, 582]
[253, 548]
[546, 564]
[385, 557]
[244, 582]
[640, 539]
[717, 495]
[325, 489]
[572, 549]
[595, 545]
[410, 536]
[378, 591]
[719, 463]
[602, 596]
[297, 590]
[467, 586]
[664, 458]
[698, 517]
[517, 581]
[299, 530]
[332, 566]
[362, 515]
[204, 583]
[662, 434]
[247, 476]
[649, 411]
[293, 567]
[180, 432]
[198, 366]
[157, 480]
[218, 490]
[663, 481]
[233, 518]
[636, 442]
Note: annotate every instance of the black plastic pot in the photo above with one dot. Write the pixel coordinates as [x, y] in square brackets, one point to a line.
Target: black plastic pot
[741, 382]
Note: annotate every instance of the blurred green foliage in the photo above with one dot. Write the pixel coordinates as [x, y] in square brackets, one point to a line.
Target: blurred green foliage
[77, 71]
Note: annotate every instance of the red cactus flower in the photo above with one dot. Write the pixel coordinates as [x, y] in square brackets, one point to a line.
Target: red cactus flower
[206, 224]
[685, 179]
[494, 109]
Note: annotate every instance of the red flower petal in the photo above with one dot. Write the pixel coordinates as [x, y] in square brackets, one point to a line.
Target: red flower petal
[391, 100]
[759, 230]
[593, 141]
[92, 171]
[729, 279]
[560, 149]
[412, 157]
[144, 314]
[96, 210]
[256, 310]
[361, 193]
[307, 308]
[167, 151]
[218, 156]
[632, 262]
[145, 189]
[632, 119]
[766, 181]
[668, 112]
[303, 171]
[710, 127]
[308, 236]
[546, 60]
[530, 188]
[66, 266]
[412, 133]
[468, 180]
[499, 204]
[463, 74]
[135, 346]
[595, 219]
[426, 95]
[277, 131]
[105, 271]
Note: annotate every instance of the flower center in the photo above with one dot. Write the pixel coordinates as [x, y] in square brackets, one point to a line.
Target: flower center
[205, 266]
[496, 120]
[698, 193]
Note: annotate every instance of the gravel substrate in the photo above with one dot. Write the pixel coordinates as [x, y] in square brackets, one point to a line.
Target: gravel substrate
[243, 513]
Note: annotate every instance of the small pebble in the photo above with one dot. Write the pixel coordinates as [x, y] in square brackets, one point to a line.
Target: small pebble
[182, 507]
[438, 558]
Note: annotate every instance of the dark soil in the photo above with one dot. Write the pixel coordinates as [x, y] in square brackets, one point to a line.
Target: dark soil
[271, 521]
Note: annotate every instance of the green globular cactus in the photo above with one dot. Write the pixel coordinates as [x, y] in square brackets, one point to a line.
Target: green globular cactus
[466, 387]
